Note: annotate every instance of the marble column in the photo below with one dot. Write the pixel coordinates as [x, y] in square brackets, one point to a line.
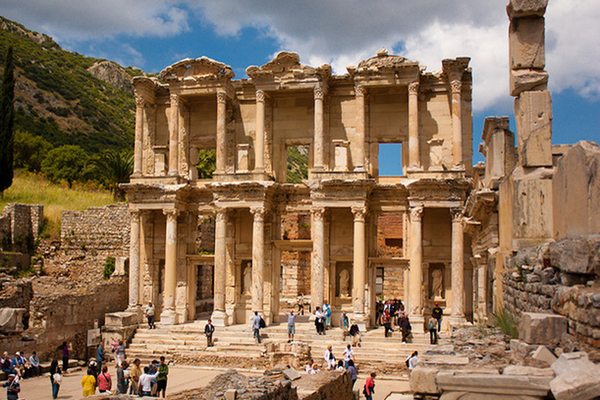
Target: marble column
[219, 317]
[457, 158]
[169, 316]
[318, 258]
[319, 141]
[415, 281]
[231, 289]
[259, 145]
[140, 106]
[413, 126]
[360, 264]
[458, 272]
[359, 160]
[258, 259]
[174, 135]
[221, 132]
[134, 260]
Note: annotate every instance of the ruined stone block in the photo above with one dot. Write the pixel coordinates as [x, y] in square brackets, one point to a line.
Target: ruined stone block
[423, 380]
[488, 385]
[526, 43]
[544, 329]
[542, 353]
[527, 79]
[533, 114]
[572, 362]
[519, 370]
[580, 384]
[576, 255]
[526, 8]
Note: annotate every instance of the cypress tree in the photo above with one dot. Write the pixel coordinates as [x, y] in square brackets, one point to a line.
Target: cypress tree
[7, 121]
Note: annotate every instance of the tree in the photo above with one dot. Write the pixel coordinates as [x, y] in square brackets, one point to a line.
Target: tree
[207, 163]
[30, 151]
[65, 163]
[7, 122]
[111, 168]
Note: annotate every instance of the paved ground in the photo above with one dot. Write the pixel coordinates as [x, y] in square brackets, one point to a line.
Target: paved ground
[180, 378]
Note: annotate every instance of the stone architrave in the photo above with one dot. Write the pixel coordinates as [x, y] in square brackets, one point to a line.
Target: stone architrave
[526, 8]
[526, 43]
[533, 114]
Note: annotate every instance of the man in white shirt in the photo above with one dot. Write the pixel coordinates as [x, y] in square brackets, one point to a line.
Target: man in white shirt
[150, 315]
[348, 355]
[145, 382]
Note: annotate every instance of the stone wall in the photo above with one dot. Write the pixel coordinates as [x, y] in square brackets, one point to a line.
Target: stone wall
[20, 225]
[390, 235]
[206, 234]
[15, 294]
[296, 273]
[97, 228]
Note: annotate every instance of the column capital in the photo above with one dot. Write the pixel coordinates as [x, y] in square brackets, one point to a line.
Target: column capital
[413, 88]
[318, 213]
[174, 98]
[319, 92]
[456, 85]
[221, 97]
[457, 214]
[140, 102]
[221, 214]
[360, 212]
[135, 214]
[258, 213]
[416, 213]
[359, 90]
[171, 214]
[260, 95]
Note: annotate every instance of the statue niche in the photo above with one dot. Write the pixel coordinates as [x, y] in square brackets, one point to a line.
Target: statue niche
[437, 281]
[246, 277]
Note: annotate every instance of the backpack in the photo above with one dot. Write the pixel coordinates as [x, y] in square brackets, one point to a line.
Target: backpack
[262, 323]
[365, 390]
[328, 312]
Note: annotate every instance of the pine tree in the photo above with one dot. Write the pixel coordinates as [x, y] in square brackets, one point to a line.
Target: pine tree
[7, 121]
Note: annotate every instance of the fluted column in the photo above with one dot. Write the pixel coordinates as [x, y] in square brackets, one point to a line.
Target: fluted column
[168, 315]
[413, 125]
[360, 128]
[456, 86]
[134, 260]
[221, 132]
[318, 258]
[219, 316]
[259, 146]
[174, 135]
[319, 140]
[258, 257]
[140, 106]
[415, 279]
[360, 264]
[458, 272]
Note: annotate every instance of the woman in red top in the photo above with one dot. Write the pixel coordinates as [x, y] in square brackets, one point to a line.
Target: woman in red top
[104, 380]
[370, 386]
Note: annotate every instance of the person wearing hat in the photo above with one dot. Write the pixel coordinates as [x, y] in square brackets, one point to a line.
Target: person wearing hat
[437, 314]
[12, 387]
[19, 364]
[6, 364]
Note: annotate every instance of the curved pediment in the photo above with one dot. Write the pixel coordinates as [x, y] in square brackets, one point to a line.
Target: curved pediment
[286, 65]
[382, 62]
[199, 68]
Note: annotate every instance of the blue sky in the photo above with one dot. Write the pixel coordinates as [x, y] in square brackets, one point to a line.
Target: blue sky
[152, 34]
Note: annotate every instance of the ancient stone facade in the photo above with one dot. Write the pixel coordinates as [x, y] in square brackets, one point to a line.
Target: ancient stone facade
[20, 225]
[195, 105]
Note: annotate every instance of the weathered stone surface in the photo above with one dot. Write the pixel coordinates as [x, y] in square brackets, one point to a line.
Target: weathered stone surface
[423, 380]
[542, 353]
[494, 384]
[527, 371]
[231, 394]
[527, 79]
[526, 43]
[291, 374]
[580, 384]
[542, 328]
[526, 8]
[570, 362]
[576, 255]
[533, 115]
[576, 190]
[487, 396]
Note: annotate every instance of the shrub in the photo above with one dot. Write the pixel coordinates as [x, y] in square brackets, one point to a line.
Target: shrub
[109, 267]
[507, 323]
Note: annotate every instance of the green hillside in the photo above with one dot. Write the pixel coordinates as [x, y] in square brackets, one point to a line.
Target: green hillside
[57, 98]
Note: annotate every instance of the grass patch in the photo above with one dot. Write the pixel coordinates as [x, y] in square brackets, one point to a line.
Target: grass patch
[30, 188]
[507, 323]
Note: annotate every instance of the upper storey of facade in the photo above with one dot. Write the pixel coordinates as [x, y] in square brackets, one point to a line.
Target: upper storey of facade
[339, 121]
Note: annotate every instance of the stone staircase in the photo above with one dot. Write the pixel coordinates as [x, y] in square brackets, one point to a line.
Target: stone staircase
[236, 343]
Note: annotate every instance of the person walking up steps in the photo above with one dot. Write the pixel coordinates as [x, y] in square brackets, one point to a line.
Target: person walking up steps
[257, 324]
[291, 328]
[150, 315]
[209, 329]
[161, 379]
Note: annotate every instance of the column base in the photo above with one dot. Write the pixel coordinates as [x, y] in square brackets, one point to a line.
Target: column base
[361, 320]
[417, 322]
[169, 317]
[219, 318]
[457, 321]
[137, 310]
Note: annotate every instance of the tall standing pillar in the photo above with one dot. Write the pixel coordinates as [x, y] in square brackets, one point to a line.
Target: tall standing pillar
[359, 161]
[174, 135]
[140, 106]
[258, 257]
[415, 277]
[318, 258]
[360, 264]
[457, 145]
[169, 316]
[134, 260]
[219, 317]
[319, 141]
[259, 145]
[221, 132]
[458, 272]
[413, 126]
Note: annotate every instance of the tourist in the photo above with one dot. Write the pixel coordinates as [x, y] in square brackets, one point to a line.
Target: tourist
[135, 374]
[34, 362]
[301, 304]
[12, 387]
[256, 325]
[348, 356]
[437, 314]
[122, 378]
[353, 372]
[310, 367]
[150, 315]
[433, 329]
[19, 364]
[145, 383]
[88, 382]
[319, 321]
[344, 324]
[100, 356]
[340, 366]
[386, 322]
[291, 328]
[355, 334]
[104, 380]
[161, 379]
[93, 366]
[209, 329]
[55, 378]
[369, 388]
[329, 358]
[327, 313]
[411, 362]
[66, 349]
[6, 364]
[120, 353]
[404, 327]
